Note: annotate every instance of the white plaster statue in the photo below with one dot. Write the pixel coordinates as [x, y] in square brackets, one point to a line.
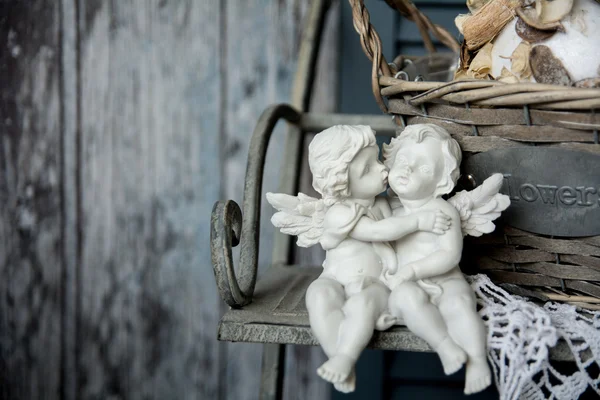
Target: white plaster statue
[348, 300]
[413, 250]
[429, 293]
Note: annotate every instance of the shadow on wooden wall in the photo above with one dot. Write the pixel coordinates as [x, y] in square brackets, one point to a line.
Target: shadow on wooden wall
[121, 122]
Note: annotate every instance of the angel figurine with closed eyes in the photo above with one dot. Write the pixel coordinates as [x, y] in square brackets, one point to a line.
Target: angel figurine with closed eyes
[430, 295]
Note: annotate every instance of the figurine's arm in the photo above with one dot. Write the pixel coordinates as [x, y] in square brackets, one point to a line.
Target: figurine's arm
[392, 228]
[384, 206]
[396, 227]
[442, 260]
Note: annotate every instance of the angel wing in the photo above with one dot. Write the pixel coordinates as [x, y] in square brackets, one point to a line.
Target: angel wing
[479, 207]
[300, 216]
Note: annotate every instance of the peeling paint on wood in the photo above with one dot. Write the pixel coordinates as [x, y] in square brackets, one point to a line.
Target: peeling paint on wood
[262, 66]
[30, 201]
[150, 167]
[301, 381]
[118, 131]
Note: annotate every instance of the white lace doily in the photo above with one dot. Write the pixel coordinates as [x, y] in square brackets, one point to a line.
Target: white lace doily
[520, 335]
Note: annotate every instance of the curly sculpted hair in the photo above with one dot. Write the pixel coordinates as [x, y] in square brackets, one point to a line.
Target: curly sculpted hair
[330, 154]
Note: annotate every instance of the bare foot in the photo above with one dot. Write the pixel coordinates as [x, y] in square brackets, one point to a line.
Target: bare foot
[348, 385]
[479, 375]
[336, 369]
[452, 356]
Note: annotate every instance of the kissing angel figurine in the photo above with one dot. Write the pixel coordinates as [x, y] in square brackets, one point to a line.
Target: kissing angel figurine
[412, 250]
[349, 299]
[429, 293]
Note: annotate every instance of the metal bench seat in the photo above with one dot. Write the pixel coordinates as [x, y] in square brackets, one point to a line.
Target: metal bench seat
[278, 314]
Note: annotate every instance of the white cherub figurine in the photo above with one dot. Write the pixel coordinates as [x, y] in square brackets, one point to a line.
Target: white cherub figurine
[429, 292]
[348, 300]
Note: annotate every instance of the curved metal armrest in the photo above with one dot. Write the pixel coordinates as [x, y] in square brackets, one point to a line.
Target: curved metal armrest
[229, 226]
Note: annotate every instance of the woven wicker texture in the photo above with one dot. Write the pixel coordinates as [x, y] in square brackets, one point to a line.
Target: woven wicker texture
[484, 115]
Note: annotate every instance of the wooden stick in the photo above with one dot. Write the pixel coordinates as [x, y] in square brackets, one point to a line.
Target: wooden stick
[486, 23]
[567, 298]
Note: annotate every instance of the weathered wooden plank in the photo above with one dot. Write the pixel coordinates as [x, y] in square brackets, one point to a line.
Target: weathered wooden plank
[396, 339]
[31, 258]
[593, 289]
[482, 263]
[266, 321]
[524, 291]
[71, 186]
[587, 147]
[478, 144]
[592, 262]
[267, 60]
[300, 99]
[512, 255]
[576, 272]
[503, 258]
[492, 116]
[150, 171]
[324, 100]
[559, 246]
[547, 269]
[301, 380]
[521, 133]
[273, 371]
[399, 338]
[528, 279]
[260, 322]
[593, 240]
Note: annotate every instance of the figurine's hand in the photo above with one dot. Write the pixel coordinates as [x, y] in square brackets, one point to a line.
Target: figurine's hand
[405, 274]
[390, 271]
[433, 221]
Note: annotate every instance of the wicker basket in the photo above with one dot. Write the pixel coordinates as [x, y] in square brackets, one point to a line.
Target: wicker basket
[551, 127]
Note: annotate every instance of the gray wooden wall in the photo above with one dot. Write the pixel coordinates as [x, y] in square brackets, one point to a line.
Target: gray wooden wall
[121, 123]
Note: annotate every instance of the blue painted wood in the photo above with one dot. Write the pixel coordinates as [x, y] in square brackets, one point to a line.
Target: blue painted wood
[261, 49]
[121, 123]
[150, 171]
[31, 202]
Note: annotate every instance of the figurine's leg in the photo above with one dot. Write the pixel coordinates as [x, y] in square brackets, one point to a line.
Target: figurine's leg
[458, 307]
[411, 303]
[324, 301]
[361, 312]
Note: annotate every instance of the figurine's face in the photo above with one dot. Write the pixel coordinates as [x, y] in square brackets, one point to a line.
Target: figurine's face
[367, 176]
[417, 169]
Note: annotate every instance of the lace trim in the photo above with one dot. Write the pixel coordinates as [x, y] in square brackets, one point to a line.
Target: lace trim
[520, 334]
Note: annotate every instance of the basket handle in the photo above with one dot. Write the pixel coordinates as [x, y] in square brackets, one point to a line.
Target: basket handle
[371, 42]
